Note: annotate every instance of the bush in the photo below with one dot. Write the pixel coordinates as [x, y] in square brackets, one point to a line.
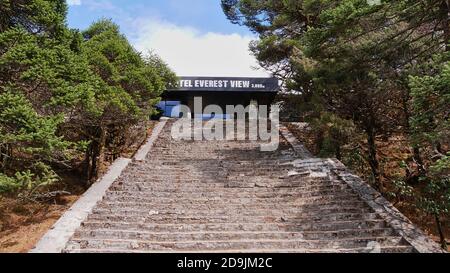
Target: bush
[29, 184]
[332, 133]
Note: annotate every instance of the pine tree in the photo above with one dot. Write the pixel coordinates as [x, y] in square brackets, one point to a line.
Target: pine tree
[354, 59]
[38, 74]
[64, 93]
[431, 130]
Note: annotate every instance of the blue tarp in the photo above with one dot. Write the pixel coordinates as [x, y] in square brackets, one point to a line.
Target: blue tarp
[170, 109]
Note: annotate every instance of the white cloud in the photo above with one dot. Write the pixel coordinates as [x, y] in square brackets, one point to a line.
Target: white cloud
[96, 5]
[192, 53]
[74, 2]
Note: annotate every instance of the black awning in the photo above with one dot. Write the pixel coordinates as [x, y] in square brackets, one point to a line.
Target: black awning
[227, 84]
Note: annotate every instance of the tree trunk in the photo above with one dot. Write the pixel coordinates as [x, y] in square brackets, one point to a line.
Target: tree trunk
[87, 163]
[6, 153]
[101, 155]
[98, 154]
[407, 131]
[95, 155]
[441, 232]
[2, 157]
[319, 142]
[373, 160]
[418, 159]
[338, 152]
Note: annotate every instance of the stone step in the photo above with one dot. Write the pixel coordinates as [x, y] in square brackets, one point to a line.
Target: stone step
[388, 249]
[236, 244]
[210, 169]
[193, 158]
[214, 184]
[217, 176]
[316, 226]
[221, 236]
[186, 178]
[242, 163]
[148, 218]
[171, 190]
[225, 195]
[295, 200]
[284, 212]
[221, 205]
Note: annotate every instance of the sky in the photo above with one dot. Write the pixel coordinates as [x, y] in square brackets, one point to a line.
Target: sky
[192, 36]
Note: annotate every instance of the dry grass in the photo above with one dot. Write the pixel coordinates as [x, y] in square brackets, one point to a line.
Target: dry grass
[23, 224]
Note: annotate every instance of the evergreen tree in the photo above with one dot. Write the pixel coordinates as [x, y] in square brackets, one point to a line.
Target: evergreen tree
[354, 59]
[64, 93]
[38, 79]
[127, 88]
[430, 129]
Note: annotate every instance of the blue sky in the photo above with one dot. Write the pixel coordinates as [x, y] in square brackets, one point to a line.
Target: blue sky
[192, 36]
[205, 15]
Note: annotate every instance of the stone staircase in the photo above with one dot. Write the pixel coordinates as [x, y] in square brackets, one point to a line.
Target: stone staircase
[228, 196]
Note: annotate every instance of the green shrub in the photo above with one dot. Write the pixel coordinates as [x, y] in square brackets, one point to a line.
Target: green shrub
[332, 133]
[28, 184]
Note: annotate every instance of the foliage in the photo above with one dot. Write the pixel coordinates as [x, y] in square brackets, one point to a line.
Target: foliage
[28, 183]
[430, 104]
[27, 132]
[66, 94]
[127, 86]
[383, 67]
[332, 133]
[436, 199]
[430, 129]
[35, 16]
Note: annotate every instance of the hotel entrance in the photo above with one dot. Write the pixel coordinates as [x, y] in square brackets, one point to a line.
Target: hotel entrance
[218, 91]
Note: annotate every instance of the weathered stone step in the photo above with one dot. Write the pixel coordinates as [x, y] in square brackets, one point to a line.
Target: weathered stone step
[230, 195]
[222, 181]
[149, 182]
[231, 158]
[214, 159]
[388, 249]
[221, 219]
[143, 187]
[221, 187]
[284, 212]
[242, 163]
[215, 169]
[214, 178]
[316, 226]
[220, 205]
[237, 244]
[158, 173]
[220, 236]
[217, 176]
[225, 183]
[296, 200]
